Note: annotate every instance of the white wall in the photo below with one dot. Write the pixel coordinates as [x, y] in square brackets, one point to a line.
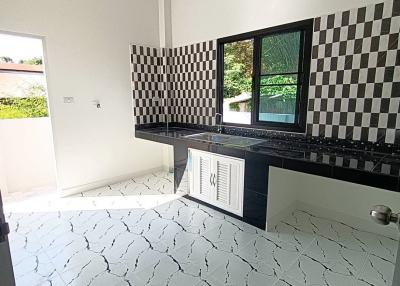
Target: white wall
[282, 195]
[87, 49]
[164, 10]
[196, 21]
[26, 155]
[3, 179]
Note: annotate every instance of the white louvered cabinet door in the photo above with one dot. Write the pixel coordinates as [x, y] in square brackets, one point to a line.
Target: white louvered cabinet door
[200, 175]
[217, 180]
[227, 179]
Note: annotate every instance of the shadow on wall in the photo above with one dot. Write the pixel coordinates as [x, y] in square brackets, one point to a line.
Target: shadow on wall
[26, 155]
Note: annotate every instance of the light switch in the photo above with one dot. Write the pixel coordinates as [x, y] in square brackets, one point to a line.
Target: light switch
[68, 99]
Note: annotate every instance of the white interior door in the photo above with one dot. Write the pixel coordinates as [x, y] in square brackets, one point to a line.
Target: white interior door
[6, 270]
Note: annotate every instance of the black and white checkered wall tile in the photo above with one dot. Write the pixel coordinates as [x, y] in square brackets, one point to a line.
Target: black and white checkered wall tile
[184, 79]
[193, 77]
[355, 75]
[147, 84]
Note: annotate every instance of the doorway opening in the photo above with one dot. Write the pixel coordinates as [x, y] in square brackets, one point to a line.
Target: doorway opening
[27, 161]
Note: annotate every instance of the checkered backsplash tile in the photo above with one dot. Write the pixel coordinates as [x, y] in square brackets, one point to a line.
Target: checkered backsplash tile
[193, 77]
[185, 76]
[355, 74]
[147, 84]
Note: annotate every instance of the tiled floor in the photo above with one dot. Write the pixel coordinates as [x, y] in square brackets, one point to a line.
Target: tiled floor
[179, 242]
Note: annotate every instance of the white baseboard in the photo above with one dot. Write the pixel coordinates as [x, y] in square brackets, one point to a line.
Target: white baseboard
[359, 223]
[86, 187]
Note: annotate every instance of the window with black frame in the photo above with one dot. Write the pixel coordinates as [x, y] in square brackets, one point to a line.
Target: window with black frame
[263, 77]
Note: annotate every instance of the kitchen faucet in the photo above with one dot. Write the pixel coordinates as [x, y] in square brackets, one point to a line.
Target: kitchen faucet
[220, 121]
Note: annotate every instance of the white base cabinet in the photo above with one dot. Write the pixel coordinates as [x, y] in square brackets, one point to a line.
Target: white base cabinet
[217, 180]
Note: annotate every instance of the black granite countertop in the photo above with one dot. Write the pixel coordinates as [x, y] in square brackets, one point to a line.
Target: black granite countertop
[370, 164]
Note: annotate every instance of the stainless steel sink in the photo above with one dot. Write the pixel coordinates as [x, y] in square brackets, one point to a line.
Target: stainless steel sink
[225, 139]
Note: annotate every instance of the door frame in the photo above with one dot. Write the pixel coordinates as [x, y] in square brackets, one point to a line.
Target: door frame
[50, 103]
[6, 268]
[396, 277]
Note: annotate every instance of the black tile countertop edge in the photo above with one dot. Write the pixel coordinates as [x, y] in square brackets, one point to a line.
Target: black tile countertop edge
[271, 134]
[367, 167]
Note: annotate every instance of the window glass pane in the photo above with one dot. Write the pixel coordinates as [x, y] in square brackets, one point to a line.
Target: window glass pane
[277, 103]
[238, 70]
[280, 53]
[278, 79]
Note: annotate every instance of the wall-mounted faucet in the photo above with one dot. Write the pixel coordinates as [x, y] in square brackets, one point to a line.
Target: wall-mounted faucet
[220, 121]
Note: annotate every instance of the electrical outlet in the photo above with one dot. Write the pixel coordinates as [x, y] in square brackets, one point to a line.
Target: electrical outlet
[68, 99]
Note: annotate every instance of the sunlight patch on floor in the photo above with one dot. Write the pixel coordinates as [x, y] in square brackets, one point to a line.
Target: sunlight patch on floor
[137, 193]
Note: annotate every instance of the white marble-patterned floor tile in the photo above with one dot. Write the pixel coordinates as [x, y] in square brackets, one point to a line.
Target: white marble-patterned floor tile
[139, 220]
[209, 283]
[344, 234]
[102, 191]
[378, 245]
[167, 271]
[33, 280]
[285, 280]
[171, 209]
[54, 280]
[24, 244]
[328, 251]
[363, 282]
[156, 182]
[181, 242]
[105, 278]
[170, 235]
[153, 184]
[126, 246]
[34, 269]
[237, 271]
[143, 256]
[51, 226]
[306, 222]
[310, 271]
[364, 241]
[200, 257]
[84, 269]
[21, 222]
[192, 216]
[377, 271]
[277, 249]
[286, 233]
[231, 236]
[276, 254]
